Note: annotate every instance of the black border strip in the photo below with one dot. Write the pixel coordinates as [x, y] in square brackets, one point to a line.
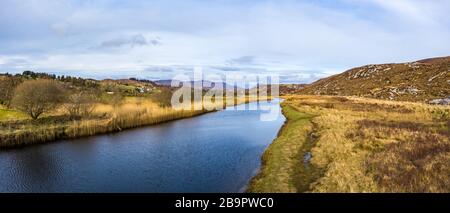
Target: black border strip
[304, 202]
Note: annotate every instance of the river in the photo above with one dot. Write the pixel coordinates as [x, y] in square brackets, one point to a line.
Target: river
[214, 152]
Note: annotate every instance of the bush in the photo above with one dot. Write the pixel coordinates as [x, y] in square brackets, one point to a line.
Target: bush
[163, 97]
[35, 97]
[7, 86]
[80, 104]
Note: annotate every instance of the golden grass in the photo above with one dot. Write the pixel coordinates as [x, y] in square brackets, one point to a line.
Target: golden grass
[367, 145]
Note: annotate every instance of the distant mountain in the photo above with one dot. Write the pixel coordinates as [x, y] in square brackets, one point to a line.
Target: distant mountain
[163, 82]
[422, 80]
[205, 84]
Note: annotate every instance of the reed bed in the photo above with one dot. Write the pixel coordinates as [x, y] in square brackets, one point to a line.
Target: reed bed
[106, 118]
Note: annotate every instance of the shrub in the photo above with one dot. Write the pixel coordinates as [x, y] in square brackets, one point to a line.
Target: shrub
[7, 86]
[80, 104]
[36, 97]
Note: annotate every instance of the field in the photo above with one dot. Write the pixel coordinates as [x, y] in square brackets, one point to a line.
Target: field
[348, 144]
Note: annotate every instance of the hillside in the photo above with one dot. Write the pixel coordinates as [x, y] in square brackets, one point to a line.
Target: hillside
[286, 89]
[423, 80]
[103, 90]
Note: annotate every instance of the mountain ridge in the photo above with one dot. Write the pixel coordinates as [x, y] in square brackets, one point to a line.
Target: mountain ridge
[422, 80]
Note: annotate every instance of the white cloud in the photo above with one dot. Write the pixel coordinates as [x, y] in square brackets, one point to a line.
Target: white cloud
[418, 11]
[296, 37]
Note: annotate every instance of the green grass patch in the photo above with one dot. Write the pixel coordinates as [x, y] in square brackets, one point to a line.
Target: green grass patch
[284, 169]
[6, 114]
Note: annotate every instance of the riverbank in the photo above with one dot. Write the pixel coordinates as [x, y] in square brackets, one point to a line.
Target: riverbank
[105, 119]
[282, 168]
[348, 144]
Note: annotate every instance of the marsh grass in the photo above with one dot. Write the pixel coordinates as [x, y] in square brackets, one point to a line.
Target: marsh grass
[131, 113]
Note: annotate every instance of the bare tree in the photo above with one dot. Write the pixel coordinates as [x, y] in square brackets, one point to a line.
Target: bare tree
[116, 99]
[35, 97]
[80, 104]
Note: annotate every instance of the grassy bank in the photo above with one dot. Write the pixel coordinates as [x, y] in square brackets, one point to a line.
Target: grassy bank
[17, 130]
[358, 145]
[283, 169]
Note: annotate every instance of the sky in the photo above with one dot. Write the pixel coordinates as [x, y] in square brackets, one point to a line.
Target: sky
[300, 41]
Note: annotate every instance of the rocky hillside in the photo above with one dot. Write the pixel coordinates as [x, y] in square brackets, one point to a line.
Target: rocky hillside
[423, 80]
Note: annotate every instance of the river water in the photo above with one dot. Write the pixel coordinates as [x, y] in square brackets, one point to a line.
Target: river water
[215, 152]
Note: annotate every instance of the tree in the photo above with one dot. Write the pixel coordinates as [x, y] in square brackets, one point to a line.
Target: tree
[7, 86]
[80, 104]
[35, 97]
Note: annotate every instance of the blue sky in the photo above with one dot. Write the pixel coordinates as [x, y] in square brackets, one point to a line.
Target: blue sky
[299, 40]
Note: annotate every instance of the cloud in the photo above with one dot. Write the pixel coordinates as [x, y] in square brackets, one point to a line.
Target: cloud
[12, 64]
[301, 77]
[166, 69]
[244, 60]
[291, 38]
[129, 41]
[226, 68]
[422, 12]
